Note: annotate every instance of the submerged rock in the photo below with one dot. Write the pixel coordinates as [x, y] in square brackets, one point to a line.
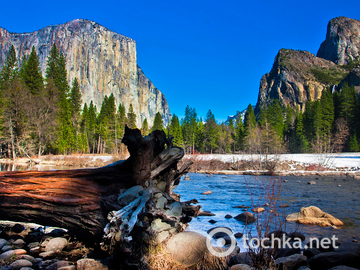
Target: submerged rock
[311, 183]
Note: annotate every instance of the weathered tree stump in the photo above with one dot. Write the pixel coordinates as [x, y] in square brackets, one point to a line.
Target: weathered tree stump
[87, 202]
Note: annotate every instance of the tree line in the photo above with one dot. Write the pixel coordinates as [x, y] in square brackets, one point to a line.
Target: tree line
[331, 124]
[43, 115]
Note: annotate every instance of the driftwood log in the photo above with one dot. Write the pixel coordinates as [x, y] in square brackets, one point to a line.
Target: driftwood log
[87, 201]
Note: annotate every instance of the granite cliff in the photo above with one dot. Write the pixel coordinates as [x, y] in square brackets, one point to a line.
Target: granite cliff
[105, 62]
[297, 76]
[342, 43]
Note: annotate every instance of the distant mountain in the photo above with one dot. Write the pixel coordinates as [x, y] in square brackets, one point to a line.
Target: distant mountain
[297, 76]
[233, 117]
[105, 62]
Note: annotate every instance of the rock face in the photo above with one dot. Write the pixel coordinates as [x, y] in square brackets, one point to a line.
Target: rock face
[298, 76]
[103, 61]
[342, 43]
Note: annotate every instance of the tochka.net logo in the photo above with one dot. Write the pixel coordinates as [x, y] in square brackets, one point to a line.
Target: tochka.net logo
[220, 250]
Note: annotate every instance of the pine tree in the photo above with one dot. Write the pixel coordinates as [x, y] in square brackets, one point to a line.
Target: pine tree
[224, 138]
[189, 126]
[289, 128]
[62, 81]
[8, 74]
[91, 126]
[158, 122]
[52, 68]
[336, 102]
[131, 117]
[327, 122]
[83, 123]
[347, 106]
[301, 145]
[251, 140]
[66, 141]
[145, 127]
[9, 70]
[210, 132]
[266, 131]
[313, 121]
[239, 132]
[175, 131]
[106, 128]
[276, 118]
[354, 144]
[75, 98]
[121, 120]
[200, 137]
[232, 133]
[250, 120]
[31, 73]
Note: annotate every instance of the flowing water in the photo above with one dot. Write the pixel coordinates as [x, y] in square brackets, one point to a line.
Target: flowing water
[338, 196]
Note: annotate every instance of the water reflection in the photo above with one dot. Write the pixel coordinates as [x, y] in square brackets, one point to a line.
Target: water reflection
[7, 167]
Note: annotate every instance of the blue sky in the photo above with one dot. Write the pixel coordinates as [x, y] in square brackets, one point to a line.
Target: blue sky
[205, 54]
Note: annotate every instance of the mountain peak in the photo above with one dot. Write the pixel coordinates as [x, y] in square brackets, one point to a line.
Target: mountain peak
[342, 43]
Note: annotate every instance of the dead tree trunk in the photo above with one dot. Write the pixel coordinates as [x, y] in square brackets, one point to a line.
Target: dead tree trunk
[80, 200]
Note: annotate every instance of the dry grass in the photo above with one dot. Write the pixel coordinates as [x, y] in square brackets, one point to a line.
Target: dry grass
[159, 259]
[82, 160]
[213, 165]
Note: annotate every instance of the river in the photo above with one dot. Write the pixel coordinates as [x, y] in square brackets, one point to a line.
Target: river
[338, 196]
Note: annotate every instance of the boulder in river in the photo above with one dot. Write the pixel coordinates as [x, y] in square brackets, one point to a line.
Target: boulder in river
[246, 217]
[313, 215]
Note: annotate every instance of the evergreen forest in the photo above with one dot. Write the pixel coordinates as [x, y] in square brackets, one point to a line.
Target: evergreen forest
[43, 115]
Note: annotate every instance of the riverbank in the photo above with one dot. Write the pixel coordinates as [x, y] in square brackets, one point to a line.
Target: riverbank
[52, 162]
[342, 164]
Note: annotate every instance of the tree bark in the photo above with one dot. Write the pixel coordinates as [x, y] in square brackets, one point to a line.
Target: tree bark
[80, 200]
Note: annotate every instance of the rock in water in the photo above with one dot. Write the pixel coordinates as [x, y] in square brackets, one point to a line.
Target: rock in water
[258, 209]
[313, 215]
[311, 183]
[246, 217]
